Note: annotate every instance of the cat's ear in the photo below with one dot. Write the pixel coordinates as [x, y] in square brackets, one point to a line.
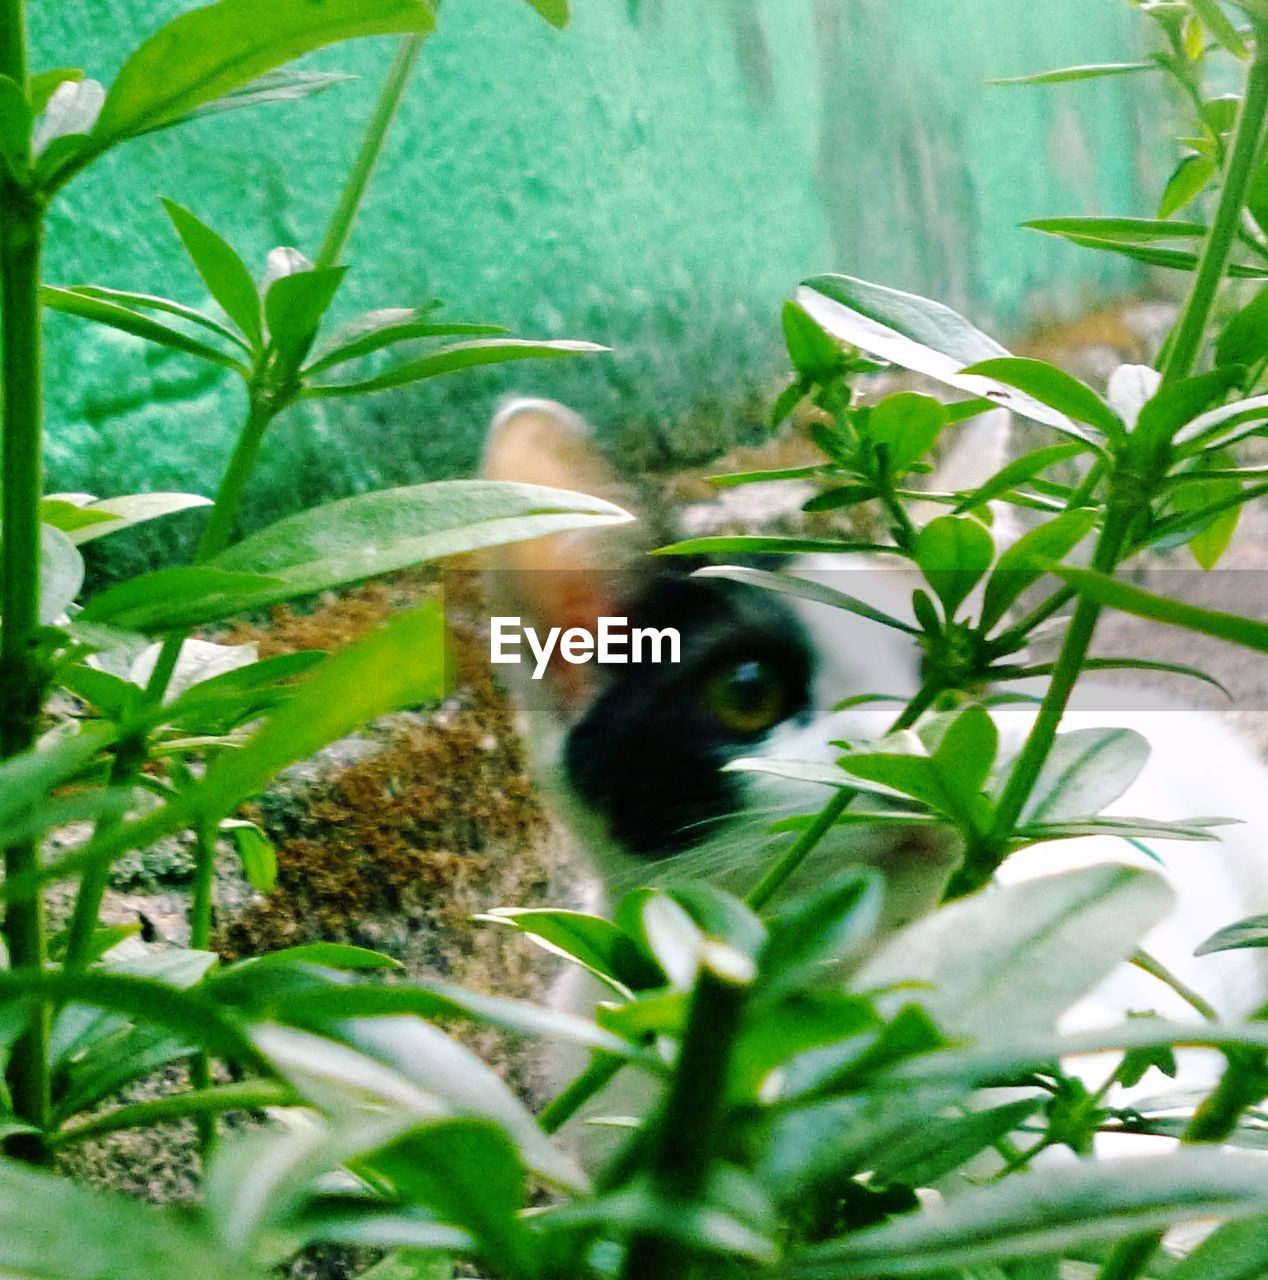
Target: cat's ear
[568, 579]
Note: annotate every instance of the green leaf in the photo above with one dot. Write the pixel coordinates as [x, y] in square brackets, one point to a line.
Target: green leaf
[27, 779]
[1025, 562]
[220, 703]
[915, 333]
[61, 573]
[374, 533]
[733, 478]
[98, 517]
[214, 50]
[998, 964]
[953, 553]
[1123, 827]
[813, 353]
[554, 11]
[102, 310]
[1175, 259]
[1111, 664]
[379, 329]
[404, 1064]
[746, 544]
[1211, 539]
[840, 498]
[949, 779]
[1236, 1251]
[150, 302]
[787, 400]
[1086, 770]
[222, 271]
[804, 589]
[171, 599]
[1089, 71]
[1124, 230]
[256, 852]
[328, 955]
[908, 425]
[463, 355]
[294, 307]
[399, 665]
[1178, 404]
[928, 1154]
[469, 1173]
[590, 941]
[112, 1235]
[1188, 180]
[1118, 595]
[1251, 932]
[1217, 22]
[1245, 337]
[1070, 1206]
[273, 86]
[1018, 472]
[1058, 390]
[820, 929]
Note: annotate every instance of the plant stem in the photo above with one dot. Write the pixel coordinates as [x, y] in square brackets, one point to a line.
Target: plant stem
[22, 674]
[805, 844]
[129, 754]
[264, 408]
[1147, 964]
[1219, 242]
[686, 1129]
[1127, 488]
[241, 1095]
[389, 103]
[602, 1068]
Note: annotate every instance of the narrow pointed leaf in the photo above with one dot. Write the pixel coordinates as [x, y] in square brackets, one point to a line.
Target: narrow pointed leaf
[203, 55]
[805, 589]
[273, 86]
[1025, 562]
[1088, 71]
[918, 334]
[222, 271]
[1054, 388]
[1251, 932]
[379, 329]
[466, 355]
[374, 533]
[149, 302]
[1068, 1207]
[1018, 472]
[1107, 591]
[105, 311]
[1127, 230]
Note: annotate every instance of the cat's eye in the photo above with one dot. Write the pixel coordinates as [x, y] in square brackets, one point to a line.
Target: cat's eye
[747, 697]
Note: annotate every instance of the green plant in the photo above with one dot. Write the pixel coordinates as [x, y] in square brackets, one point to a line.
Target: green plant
[801, 1120]
[221, 57]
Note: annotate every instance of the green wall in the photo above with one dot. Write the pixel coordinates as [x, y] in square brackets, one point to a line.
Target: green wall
[657, 178]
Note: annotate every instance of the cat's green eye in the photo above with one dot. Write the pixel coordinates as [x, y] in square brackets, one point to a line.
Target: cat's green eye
[747, 697]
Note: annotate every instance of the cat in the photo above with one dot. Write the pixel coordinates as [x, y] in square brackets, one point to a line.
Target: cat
[634, 755]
